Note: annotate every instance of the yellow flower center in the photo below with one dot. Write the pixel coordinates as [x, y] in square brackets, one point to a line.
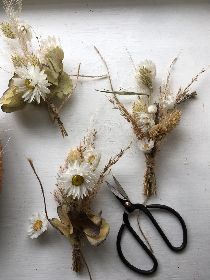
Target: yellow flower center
[28, 84]
[91, 159]
[37, 225]
[77, 180]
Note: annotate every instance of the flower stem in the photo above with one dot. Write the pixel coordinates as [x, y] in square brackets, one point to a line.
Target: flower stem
[77, 255]
[150, 187]
[52, 109]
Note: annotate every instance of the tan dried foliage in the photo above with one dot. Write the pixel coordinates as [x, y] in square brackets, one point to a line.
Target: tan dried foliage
[165, 126]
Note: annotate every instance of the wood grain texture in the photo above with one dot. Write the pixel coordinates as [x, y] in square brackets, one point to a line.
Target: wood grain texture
[157, 30]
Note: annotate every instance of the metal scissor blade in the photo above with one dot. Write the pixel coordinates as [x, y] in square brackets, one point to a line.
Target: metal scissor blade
[118, 190]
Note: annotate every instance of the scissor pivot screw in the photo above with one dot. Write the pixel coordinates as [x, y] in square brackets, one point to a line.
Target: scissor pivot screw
[127, 204]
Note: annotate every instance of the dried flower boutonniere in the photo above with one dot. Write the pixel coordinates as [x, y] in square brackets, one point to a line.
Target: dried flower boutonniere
[152, 117]
[39, 77]
[78, 182]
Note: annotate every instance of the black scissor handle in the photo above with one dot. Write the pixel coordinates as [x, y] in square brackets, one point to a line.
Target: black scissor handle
[142, 244]
[126, 224]
[146, 208]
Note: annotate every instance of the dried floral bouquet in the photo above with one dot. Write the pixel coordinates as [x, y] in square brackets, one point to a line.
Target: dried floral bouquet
[152, 117]
[78, 182]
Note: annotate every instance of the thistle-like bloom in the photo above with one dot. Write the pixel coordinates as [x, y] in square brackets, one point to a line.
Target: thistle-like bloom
[32, 82]
[78, 180]
[38, 225]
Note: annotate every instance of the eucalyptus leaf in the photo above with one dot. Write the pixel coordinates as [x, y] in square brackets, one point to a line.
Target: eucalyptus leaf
[54, 65]
[11, 100]
[65, 230]
[104, 231]
[64, 87]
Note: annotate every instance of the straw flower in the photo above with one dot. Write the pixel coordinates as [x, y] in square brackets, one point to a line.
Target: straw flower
[38, 225]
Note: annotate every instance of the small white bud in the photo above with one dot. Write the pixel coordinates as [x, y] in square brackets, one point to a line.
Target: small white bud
[152, 109]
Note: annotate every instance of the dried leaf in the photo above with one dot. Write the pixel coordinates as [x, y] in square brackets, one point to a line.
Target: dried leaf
[54, 65]
[64, 87]
[97, 220]
[82, 222]
[65, 230]
[104, 231]
[63, 214]
[11, 100]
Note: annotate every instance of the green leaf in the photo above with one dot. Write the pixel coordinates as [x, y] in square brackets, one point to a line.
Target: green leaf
[64, 87]
[54, 65]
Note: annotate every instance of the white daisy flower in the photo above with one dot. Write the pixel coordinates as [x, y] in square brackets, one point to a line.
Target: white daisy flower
[78, 180]
[32, 82]
[146, 145]
[169, 102]
[146, 121]
[38, 225]
[92, 157]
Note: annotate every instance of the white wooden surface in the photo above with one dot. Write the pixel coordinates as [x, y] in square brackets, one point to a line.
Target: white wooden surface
[157, 30]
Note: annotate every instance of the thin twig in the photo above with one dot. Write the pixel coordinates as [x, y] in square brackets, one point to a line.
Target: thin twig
[42, 189]
[84, 260]
[170, 68]
[53, 110]
[107, 68]
[123, 92]
[78, 71]
[132, 61]
[89, 76]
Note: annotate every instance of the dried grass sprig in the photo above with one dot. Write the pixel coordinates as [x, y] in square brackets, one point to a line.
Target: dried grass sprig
[112, 161]
[185, 94]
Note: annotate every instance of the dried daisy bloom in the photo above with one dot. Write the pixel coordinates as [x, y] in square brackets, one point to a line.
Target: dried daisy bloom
[153, 116]
[37, 225]
[78, 182]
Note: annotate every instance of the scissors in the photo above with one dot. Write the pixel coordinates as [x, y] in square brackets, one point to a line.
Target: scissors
[121, 195]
